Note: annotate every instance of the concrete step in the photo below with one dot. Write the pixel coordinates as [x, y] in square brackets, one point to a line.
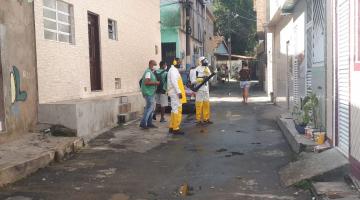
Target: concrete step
[126, 117]
[298, 142]
[312, 166]
[33, 151]
[334, 190]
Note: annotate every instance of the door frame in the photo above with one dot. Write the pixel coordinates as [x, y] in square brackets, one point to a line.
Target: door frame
[100, 52]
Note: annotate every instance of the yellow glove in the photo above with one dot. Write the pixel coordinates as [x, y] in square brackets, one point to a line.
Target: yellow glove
[199, 80]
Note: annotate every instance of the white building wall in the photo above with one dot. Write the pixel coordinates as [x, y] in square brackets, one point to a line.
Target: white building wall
[269, 68]
[63, 68]
[282, 34]
[274, 6]
[354, 90]
[288, 43]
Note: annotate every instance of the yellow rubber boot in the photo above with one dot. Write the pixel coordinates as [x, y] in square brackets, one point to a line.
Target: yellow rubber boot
[206, 110]
[175, 122]
[179, 116]
[199, 108]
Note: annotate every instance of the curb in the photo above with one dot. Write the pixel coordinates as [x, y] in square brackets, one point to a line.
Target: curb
[13, 173]
[297, 142]
[24, 165]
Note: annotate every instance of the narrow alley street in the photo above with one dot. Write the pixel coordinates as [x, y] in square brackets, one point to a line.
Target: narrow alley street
[238, 157]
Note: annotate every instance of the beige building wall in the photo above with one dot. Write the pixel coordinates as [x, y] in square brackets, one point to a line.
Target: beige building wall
[63, 68]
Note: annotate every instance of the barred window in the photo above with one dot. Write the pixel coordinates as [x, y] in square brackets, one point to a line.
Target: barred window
[58, 21]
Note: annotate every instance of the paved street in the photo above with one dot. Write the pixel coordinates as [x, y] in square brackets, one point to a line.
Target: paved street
[238, 157]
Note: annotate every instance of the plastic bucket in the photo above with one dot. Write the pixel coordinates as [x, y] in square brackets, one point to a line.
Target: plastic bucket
[320, 137]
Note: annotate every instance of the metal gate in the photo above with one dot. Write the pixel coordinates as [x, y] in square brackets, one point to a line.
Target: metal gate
[343, 74]
[296, 92]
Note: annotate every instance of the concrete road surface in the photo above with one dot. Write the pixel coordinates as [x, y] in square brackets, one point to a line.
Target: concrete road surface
[238, 157]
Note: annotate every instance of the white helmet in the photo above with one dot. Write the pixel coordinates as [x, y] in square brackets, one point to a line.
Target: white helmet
[203, 61]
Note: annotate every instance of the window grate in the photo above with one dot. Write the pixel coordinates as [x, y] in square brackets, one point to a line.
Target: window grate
[319, 32]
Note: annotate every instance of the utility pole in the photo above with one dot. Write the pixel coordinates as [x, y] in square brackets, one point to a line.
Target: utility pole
[188, 30]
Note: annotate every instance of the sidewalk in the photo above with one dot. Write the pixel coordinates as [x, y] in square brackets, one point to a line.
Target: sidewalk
[33, 151]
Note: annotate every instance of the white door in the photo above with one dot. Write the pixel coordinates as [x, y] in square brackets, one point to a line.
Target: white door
[343, 74]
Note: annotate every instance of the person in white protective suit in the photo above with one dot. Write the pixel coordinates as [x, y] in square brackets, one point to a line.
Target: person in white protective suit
[176, 92]
[202, 102]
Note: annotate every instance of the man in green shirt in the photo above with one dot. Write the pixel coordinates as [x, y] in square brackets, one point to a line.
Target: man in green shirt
[149, 84]
[161, 97]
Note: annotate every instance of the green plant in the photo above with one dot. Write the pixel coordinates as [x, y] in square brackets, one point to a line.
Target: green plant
[304, 185]
[311, 109]
[299, 116]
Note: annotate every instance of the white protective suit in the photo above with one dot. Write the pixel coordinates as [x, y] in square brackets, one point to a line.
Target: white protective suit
[175, 86]
[197, 76]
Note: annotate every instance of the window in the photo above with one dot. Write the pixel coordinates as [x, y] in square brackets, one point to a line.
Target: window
[117, 83]
[112, 27]
[58, 21]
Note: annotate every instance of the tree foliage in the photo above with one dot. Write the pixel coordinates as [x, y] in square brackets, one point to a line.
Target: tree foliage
[237, 17]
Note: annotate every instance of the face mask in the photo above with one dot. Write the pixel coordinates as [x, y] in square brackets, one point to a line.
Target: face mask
[204, 63]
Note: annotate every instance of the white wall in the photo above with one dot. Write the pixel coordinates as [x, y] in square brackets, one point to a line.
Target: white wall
[274, 6]
[63, 69]
[269, 66]
[288, 41]
[354, 90]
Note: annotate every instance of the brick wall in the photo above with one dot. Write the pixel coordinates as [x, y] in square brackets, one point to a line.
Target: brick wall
[260, 7]
[63, 68]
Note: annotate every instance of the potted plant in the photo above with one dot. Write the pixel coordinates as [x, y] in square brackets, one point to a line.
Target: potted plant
[311, 109]
[300, 120]
[308, 114]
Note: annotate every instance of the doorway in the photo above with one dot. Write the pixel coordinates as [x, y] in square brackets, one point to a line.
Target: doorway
[168, 51]
[94, 52]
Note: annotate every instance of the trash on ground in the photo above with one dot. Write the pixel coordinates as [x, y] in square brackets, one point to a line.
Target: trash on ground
[184, 190]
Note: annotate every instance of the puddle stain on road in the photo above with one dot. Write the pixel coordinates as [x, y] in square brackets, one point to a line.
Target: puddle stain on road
[234, 153]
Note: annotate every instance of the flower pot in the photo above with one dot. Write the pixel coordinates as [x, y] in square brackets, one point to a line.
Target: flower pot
[300, 128]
